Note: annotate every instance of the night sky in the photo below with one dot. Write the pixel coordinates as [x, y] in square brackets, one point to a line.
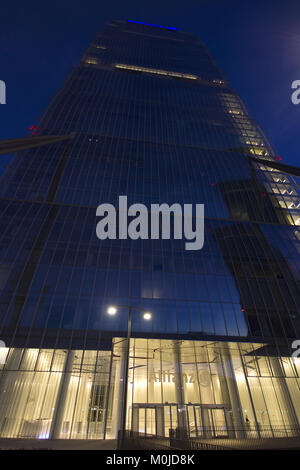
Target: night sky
[255, 42]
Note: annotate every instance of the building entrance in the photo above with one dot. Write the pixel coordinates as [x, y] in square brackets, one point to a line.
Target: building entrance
[207, 421]
[148, 419]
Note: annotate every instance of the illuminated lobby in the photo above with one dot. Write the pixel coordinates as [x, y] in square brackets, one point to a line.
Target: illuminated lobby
[207, 389]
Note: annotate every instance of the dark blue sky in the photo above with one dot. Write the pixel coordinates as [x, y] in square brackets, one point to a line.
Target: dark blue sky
[255, 42]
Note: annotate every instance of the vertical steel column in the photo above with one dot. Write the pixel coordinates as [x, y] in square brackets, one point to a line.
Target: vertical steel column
[62, 397]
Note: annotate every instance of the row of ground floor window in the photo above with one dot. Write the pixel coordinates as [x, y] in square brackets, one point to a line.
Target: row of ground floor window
[192, 388]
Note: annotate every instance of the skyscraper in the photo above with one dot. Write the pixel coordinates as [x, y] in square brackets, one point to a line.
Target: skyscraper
[150, 117]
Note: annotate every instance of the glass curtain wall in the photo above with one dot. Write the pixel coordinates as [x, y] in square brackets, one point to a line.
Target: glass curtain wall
[211, 389]
[196, 389]
[48, 393]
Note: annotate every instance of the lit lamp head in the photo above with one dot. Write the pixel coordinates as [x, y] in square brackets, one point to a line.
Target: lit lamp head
[111, 310]
[147, 316]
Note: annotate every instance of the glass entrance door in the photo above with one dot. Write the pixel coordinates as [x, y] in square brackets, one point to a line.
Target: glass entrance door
[206, 421]
[202, 421]
[147, 420]
[218, 422]
[170, 419]
[194, 421]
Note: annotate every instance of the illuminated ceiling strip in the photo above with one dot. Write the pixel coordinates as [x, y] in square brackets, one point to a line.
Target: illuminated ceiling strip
[156, 71]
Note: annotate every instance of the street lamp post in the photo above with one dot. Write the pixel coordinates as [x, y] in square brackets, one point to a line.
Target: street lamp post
[147, 316]
[125, 382]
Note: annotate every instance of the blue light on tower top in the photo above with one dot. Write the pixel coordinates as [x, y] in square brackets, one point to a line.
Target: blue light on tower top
[156, 25]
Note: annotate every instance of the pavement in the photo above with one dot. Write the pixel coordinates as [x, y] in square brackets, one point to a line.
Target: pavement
[284, 443]
[57, 444]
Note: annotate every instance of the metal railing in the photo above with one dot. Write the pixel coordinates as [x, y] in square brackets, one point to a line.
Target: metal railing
[235, 439]
[130, 440]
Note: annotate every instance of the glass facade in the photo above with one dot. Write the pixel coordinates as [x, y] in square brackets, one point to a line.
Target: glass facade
[151, 117]
[209, 389]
